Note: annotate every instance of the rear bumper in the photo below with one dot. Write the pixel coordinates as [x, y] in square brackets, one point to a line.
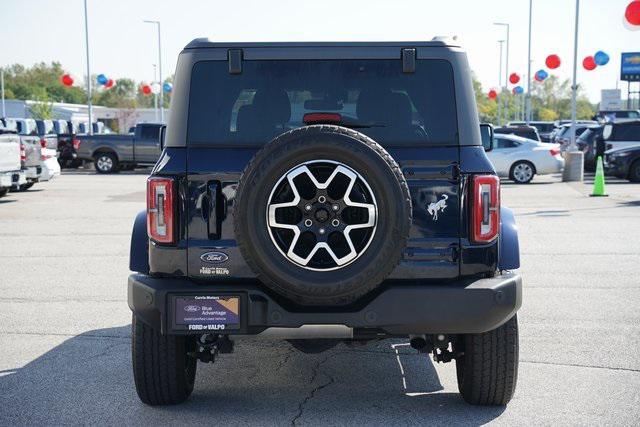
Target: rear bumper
[553, 165]
[33, 173]
[13, 178]
[470, 306]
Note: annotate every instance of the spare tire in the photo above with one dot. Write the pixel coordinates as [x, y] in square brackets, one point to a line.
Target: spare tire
[322, 215]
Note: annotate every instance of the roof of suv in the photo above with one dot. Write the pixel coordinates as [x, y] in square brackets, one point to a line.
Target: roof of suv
[202, 43]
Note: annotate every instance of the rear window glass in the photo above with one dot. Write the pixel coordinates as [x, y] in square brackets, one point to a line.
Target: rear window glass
[271, 97]
[626, 132]
[149, 132]
[45, 127]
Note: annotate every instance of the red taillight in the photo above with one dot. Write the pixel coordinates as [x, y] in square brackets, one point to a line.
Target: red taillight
[554, 152]
[23, 153]
[311, 118]
[76, 143]
[486, 208]
[43, 143]
[160, 209]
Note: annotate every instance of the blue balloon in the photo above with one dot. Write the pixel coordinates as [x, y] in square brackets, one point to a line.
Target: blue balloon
[102, 79]
[167, 87]
[601, 58]
[519, 90]
[542, 75]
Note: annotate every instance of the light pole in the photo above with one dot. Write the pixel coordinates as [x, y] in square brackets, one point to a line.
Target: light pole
[159, 69]
[501, 42]
[506, 70]
[86, 39]
[4, 111]
[155, 95]
[574, 167]
[528, 97]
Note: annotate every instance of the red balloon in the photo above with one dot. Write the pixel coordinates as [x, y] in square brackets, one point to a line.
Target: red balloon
[109, 83]
[589, 63]
[146, 89]
[632, 14]
[553, 61]
[67, 80]
[493, 94]
[514, 78]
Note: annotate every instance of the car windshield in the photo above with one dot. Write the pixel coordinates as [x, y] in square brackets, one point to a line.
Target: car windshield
[373, 96]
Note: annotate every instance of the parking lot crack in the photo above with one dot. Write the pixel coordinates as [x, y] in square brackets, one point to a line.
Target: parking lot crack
[315, 373]
[578, 365]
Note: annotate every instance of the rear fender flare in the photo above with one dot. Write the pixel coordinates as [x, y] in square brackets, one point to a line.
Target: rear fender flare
[509, 255]
[139, 252]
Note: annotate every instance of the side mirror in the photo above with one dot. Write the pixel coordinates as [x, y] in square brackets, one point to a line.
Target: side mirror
[161, 134]
[607, 131]
[486, 132]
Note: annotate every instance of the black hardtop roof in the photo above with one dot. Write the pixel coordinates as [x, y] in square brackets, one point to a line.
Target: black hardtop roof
[203, 43]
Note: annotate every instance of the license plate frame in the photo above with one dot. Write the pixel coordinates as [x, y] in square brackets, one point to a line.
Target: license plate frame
[206, 313]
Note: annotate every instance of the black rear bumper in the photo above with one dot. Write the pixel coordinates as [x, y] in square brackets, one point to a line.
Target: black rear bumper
[470, 306]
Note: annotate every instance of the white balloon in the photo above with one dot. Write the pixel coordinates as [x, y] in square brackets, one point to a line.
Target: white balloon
[155, 88]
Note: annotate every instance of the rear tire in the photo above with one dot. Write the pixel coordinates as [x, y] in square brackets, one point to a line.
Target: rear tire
[634, 171]
[3, 192]
[106, 163]
[164, 373]
[522, 172]
[488, 369]
[24, 187]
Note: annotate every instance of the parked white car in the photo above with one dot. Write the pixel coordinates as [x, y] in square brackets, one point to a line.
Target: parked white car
[521, 159]
[50, 168]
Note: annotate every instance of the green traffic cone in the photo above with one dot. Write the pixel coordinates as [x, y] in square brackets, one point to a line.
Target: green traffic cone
[598, 183]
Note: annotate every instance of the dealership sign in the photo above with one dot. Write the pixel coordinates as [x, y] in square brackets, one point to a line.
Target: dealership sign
[611, 99]
[630, 69]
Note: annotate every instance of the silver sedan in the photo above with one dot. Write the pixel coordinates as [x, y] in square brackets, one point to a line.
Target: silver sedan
[521, 159]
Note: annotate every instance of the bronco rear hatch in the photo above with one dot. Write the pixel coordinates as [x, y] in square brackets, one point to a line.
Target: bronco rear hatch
[235, 108]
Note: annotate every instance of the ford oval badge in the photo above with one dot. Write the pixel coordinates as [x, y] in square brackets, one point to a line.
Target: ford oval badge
[214, 257]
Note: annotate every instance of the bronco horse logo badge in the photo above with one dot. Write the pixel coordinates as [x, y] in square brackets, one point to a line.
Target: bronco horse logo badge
[435, 207]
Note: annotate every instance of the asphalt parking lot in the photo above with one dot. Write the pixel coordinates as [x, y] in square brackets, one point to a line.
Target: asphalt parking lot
[64, 324]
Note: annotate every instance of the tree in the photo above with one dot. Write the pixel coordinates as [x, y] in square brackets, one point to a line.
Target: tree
[40, 82]
[550, 101]
[41, 110]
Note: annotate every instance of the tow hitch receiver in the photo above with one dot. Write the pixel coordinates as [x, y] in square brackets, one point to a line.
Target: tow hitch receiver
[210, 345]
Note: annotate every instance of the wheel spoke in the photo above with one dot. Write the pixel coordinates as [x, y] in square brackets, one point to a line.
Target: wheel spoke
[322, 241]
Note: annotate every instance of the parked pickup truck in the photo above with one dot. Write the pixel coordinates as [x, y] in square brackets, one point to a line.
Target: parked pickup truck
[10, 173]
[30, 149]
[111, 153]
[47, 134]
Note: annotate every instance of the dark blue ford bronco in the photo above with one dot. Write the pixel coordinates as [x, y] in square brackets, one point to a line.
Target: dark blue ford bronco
[324, 193]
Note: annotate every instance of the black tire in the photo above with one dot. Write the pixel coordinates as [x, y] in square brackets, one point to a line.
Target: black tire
[3, 192]
[487, 371]
[106, 162]
[515, 177]
[359, 152]
[634, 171]
[24, 187]
[164, 373]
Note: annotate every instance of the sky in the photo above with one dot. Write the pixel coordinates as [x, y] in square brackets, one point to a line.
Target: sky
[121, 45]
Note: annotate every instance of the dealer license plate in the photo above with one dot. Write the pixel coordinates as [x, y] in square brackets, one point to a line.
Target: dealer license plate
[207, 313]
